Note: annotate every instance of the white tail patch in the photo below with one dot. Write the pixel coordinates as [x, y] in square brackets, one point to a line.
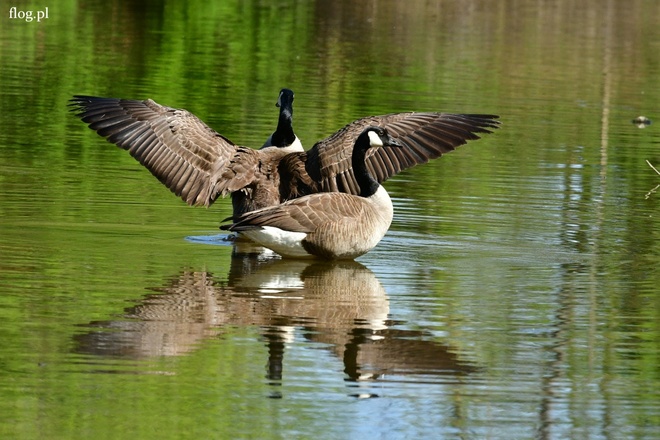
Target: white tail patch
[283, 242]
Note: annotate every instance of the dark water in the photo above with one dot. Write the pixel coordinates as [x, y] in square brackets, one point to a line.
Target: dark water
[515, 296]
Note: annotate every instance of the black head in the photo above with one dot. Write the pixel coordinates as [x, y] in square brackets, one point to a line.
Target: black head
[285, 98]
[380, 137]
[371, 137]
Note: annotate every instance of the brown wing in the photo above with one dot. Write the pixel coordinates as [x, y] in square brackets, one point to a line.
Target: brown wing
[304, 214]
[253, 178]
[242, 170]
[185, 154]
[425, 136]
[295, 181]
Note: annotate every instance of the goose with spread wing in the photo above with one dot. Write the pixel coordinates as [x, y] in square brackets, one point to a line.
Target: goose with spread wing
[327, 225]
[199, 165]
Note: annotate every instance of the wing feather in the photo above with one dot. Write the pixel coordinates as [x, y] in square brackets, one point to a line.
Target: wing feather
[185, 154]
[425, 136]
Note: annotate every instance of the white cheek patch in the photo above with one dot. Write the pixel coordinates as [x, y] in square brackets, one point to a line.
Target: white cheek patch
[375, 140]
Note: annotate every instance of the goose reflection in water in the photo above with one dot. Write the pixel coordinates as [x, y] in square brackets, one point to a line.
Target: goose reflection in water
[341, 304]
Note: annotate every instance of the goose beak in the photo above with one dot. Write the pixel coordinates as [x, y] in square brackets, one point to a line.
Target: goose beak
[393, 142]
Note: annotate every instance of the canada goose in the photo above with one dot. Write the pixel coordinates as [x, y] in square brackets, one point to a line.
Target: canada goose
[198, 164]
[284, 136]
[328, 225]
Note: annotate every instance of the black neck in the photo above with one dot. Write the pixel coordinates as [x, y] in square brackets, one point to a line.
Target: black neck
[284, 135]
[368, 185]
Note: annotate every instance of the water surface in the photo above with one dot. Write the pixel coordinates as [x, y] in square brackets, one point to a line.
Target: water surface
[515, 295]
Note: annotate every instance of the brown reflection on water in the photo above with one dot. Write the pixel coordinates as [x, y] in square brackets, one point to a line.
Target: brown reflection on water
[340, 304]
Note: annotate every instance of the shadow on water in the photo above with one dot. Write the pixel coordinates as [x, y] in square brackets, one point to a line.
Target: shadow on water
[340, 305]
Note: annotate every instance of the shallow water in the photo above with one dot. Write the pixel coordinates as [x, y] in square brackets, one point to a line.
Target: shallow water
[515, 295]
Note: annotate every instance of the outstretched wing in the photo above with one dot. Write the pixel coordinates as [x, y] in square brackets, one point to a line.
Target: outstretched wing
[185, 154]
[425, 136]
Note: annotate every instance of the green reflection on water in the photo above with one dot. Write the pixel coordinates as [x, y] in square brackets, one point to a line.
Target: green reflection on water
[533, 247]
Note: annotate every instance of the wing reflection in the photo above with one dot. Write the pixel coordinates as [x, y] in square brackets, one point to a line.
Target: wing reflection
[341, 304]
